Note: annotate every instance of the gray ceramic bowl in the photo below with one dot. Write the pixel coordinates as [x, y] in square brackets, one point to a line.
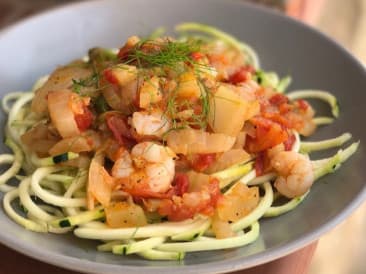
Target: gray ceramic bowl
[34, 47]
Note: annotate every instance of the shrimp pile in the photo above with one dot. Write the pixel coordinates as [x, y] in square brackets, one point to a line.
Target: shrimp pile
[149, 166]
[156, 121]
[295, 173]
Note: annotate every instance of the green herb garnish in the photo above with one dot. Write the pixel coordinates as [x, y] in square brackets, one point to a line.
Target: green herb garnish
[100, 104]
[166, 53]
[78, 85]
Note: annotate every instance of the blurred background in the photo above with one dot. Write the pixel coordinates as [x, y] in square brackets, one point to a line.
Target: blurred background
[344, 20]
[343, 249]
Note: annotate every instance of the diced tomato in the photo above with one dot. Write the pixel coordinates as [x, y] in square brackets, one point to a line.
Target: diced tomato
[202, 161]
[84, 120]
[131, 43]
[174, 211]
[119, 128]
[181, 208]
[267, 135]
[303, 104]
[278, 99]
[145, 192]
[196, 55]
[262, 163]
[289, 142]
[214, 190]
[123, 52]
[288, 120]
[218, 58]
[285, 108]
[278, 118]
[110, 77]
[197, 109]
[181, 184]
[259, 164]
[287, 115]
[241, 75]
[141, 189]
[264, 105]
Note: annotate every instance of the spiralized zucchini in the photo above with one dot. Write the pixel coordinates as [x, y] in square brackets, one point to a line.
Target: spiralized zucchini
[42, 195]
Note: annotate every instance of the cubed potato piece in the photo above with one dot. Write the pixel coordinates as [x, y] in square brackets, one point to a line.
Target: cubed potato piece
[188, 86]
[222, 229]
[238, 203]
[125, 214]
[191, 141]
[228, 111]
[121, 75]
[150, 92]
[197, 180]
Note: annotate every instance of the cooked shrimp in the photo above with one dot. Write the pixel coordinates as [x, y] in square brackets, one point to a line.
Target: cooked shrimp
[62, 78]
[307, 112]
[272, 152]
[123, 165]
[302, 118]
[295, 173]
[225, 60]
[152, 123]
[247, 90]
[148, 162]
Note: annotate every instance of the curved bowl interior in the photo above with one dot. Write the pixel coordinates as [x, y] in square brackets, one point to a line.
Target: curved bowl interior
[35, 47]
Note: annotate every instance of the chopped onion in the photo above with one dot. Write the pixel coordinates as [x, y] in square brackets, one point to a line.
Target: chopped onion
[100, 183]
[228, 159]
[62, 116]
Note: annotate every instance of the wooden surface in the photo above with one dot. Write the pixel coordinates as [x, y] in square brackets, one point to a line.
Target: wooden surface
[12, 262]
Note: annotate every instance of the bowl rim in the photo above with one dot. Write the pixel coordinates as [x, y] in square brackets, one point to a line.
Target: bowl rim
[229, 265]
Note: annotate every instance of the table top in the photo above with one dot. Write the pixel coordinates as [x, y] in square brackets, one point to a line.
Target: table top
[296, 263]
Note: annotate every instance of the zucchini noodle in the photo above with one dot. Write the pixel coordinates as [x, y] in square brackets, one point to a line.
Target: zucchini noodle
[59, 192]
[17, 112]
[140, 246]
[323, 120]
[16, 217]
[307, 147]
[26, 200]
[317, 94]
[275, 211]
[8, 98]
